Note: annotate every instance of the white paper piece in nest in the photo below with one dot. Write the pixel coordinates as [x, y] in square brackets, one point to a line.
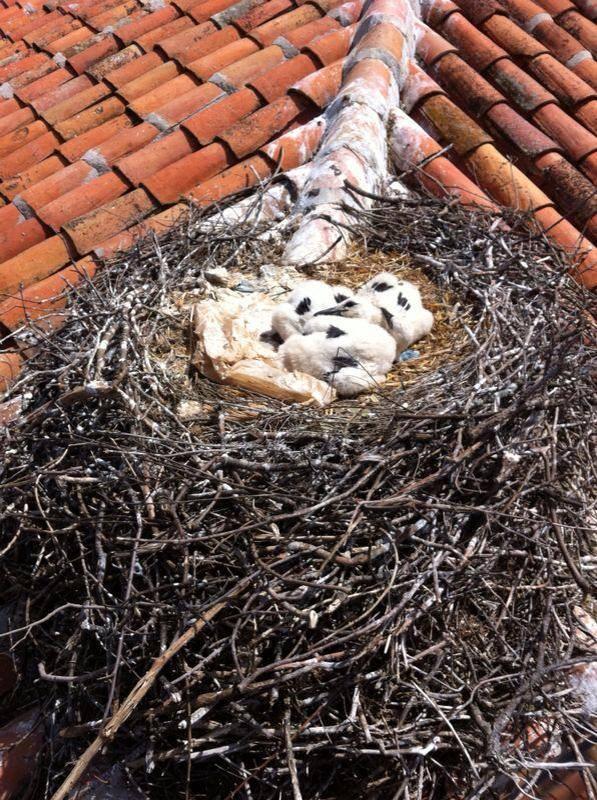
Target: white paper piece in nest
[226, 346]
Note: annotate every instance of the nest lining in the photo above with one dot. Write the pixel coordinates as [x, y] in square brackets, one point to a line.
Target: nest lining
[393, 582]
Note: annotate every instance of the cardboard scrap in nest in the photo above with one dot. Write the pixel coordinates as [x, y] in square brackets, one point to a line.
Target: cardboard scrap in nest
[227, 347]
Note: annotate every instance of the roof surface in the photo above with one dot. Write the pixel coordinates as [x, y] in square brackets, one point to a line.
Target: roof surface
[112, 113]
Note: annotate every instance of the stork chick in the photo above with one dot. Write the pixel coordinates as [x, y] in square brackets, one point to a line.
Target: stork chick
[394, 305]
[352, 355]
[304, 300]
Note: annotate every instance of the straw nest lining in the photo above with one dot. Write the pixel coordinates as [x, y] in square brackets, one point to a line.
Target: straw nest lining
[374, 602]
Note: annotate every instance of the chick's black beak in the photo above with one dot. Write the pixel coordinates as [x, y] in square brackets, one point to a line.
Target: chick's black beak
[335, 311]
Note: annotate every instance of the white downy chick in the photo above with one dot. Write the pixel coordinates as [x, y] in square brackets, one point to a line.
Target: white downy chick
[304, 300]
[395, 305]
[352, 355]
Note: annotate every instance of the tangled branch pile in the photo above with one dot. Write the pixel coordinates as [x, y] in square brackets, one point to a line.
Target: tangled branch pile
[385, 591]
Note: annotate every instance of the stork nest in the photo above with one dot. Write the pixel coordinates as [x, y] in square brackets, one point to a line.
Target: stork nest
[375, 602]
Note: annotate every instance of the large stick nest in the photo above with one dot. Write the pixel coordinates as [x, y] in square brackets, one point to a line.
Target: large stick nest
[410, 566]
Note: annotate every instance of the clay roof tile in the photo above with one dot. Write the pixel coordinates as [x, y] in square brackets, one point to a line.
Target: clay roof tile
[154, 156]
[127, 73]
[88, 230]
[303, 35]
[173, 45]
[90, 118]
[148, 22]
[121, 143]
[266, 34]
[263, 13]
[74, 148]
[322, 86]
[258, 128]
[28, 155]
[170, 183]
[189, 103]
[231, 53]
[32, 265]
[149, 40]
[242, 176]
[275, 82]
[331, 46]
[145, 83]
[208, 123]
[241, 72]
[83, 198]
[29, 177]
[210, 44]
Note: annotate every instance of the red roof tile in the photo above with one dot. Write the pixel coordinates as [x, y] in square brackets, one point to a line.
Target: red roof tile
[77, 146]
[205, 125]
[209, 44]
[242, 176]
[57, 184]
[90, 118]
[161, 94]
[85, 197]
[30, 177]
[246, 136]
[145, 83]
[148, 22]
[209, 65]
[96, 226]
[32, 265]
[241, 72]
[275, 82]
[20, 237]
[267, 33]
[28, 155]
[154, 156]
[148, 40]
[170, 183]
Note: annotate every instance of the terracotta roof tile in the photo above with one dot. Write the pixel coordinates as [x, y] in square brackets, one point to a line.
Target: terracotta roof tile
[174, 45]
[241, 72]
[111, 17]
[209, 44]
[42, 85]
[82, 199]
[209, 65]
[242, 176]
[90, 118]
[160, 224]
[188, 104]
[263, 13]
[275, 82]
[10, 366]
[525, 91]
[576, 140]
[100, 49]
[587, 114]
[143, 84]
[164, 92]
[519, 132]
[43, 36]
[75, 103]
[331, 46]
[154, 156]
[575, 194]
[15, 119]
[44, 298]
[295, 148]
[32, 265]
[462, 82]
[258, 128]
[63, 92]
[74, 148]
[16, 67]
[205, 125]
[454, 125]
[581, 28]
[202, 11]
[121, 144]
[148, 22]
[266, 34]
[20, 237]
[148, 40]
[569, 89]
[170, 183]
[98, 225]
[9, 106]
[305, 34]
[57, 184]
[65, 42]
[28, 155]
[29, 177]
[119, 59]
[322, 86]
[129, 72]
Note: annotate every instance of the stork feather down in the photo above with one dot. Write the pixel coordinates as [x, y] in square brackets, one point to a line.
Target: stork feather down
[306, 299]
[353, 355]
